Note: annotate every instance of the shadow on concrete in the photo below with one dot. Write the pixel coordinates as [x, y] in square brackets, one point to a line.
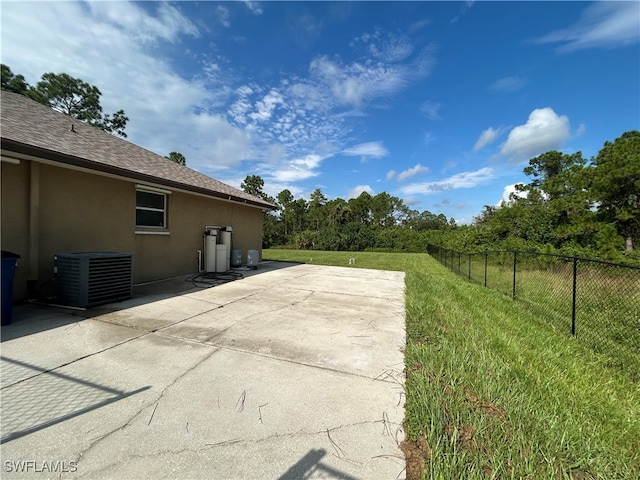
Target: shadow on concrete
[36, 317]
[47, 398]
[311, 463]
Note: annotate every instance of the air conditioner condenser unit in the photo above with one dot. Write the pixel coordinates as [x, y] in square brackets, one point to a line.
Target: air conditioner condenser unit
[87, 279]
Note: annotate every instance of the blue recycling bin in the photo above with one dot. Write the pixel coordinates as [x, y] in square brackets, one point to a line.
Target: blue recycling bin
[9, 263]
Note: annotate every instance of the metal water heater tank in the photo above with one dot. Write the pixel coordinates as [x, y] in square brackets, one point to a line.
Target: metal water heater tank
[222, 258]
[226, 236]
[210, 244]
[225, 239]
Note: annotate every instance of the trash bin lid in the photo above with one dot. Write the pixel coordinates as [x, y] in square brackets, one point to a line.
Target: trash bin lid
[6, 254]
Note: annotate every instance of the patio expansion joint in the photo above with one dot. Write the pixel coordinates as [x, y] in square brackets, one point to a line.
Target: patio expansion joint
[389, 375]
[267, 288]
[281, 307]
[89, 355]
[154, 402]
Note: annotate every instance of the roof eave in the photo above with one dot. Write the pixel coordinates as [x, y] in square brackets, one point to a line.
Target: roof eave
[51, 155]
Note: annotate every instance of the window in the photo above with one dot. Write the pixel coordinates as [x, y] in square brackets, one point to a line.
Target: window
[151, 209]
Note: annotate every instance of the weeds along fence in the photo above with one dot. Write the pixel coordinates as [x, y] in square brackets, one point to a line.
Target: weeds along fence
[596, 302]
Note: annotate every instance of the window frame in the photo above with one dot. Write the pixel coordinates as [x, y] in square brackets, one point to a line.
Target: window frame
[154, 191]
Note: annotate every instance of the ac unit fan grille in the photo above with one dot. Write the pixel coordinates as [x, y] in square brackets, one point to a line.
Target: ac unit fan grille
[89, 279]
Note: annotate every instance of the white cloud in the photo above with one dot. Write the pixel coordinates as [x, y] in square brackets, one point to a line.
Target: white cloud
[229, 145]
[391, 174]
[255, 7]
[390, 47]
[358, 189]
[286, 115]
[412, 201]
[418, 25]
[544, 131]
[508, 191]
[486, 137]
[366, 150]
[223, 15]
[412, 172]
[430, 110]
[297, 169]
[601, 25]
[508, 84]
[275, 153]
[354, 83]
[467, 5]
[428, 138]
[135, 22]
[464, 221]
[273, 188]
[457, 181]
[265, 107]
[387, 64]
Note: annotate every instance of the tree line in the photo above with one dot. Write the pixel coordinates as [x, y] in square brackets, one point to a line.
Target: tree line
[570, 205]
[379, 221]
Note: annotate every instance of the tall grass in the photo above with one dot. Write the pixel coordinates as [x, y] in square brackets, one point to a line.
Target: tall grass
[493, 391]
[607, 313]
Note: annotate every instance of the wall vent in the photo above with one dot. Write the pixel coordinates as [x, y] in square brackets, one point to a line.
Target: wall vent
[87, 279]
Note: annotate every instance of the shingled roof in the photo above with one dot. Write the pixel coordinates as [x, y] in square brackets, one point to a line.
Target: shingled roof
[33, 129]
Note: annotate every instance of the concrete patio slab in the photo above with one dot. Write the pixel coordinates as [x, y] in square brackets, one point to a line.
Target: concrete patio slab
[291, 373]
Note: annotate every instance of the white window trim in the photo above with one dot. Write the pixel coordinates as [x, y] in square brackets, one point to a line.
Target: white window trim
[157, 191]
[144, 232]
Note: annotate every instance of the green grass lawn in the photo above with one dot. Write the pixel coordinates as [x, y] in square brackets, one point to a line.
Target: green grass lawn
[608, 299]
[492, 390]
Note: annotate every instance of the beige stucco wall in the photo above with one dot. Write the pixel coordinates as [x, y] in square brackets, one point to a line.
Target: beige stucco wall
[82, 212]
[14, 228]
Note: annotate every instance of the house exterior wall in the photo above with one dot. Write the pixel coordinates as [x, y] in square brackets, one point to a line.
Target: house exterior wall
[15, 219]
[84, 212]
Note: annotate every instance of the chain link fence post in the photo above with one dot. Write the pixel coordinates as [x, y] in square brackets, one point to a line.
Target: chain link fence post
[573, 299]
[486, 261]
[515, 263]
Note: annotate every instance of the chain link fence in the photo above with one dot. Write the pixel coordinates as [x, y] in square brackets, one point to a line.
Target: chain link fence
[596, 302]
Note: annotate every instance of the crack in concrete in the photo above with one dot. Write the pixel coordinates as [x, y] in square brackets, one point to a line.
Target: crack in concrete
[234, 441]
[302, 433]
[145, 407]
[277, 309]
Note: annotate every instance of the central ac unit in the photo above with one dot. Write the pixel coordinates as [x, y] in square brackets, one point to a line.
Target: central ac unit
[87, 279]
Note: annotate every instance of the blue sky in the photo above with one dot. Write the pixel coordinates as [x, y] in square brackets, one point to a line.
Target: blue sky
[439, 103]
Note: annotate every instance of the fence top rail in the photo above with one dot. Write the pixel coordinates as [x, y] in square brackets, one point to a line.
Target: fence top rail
[541, 254]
